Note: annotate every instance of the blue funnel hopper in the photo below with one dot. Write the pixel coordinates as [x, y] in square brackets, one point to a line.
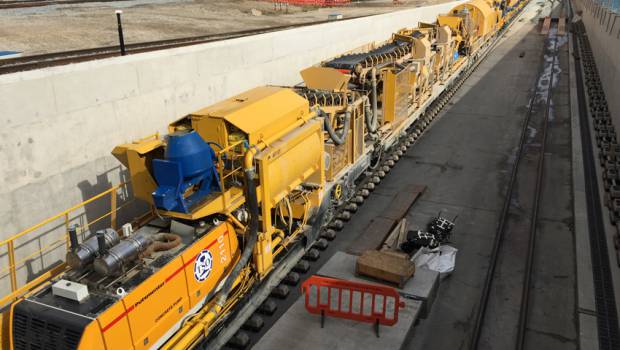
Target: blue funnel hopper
[187, 174]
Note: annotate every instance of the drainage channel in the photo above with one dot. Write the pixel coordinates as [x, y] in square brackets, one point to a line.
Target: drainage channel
[595, 104]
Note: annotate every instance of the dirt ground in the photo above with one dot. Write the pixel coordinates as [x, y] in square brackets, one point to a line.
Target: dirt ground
[69, 27]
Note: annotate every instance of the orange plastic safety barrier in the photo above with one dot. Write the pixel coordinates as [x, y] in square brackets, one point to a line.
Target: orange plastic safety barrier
[356, 301]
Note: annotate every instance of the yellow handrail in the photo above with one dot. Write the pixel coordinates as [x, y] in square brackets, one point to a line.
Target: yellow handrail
[19, 290]
[63, 213]
[221, 167]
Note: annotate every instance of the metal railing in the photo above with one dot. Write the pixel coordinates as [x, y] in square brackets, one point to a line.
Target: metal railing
[228, 156]
[232, 155]
[62, 221]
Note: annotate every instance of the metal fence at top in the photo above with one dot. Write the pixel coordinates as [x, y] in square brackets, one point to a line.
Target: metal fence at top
[316, 3]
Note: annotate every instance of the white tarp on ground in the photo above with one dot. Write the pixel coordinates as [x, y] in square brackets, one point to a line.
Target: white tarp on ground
[442, 260]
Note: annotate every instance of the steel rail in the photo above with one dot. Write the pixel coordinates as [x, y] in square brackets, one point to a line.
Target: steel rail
[40, 3]
[26, 63]
[525, 292]
[501, 228]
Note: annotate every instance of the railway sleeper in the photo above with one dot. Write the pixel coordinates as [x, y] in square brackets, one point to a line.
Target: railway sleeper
[255, 323]
[329, 234]
[302, 266]
[280, 291]
[268, 307]
[312, 254]
[321, 244]
[240, 340]
[291, 279]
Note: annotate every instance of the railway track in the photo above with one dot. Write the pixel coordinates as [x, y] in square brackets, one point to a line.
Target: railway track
[513, 251]
[26, 63]
[17, 4]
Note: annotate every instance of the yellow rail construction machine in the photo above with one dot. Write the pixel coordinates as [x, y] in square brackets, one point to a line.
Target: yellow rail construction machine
[236, 186]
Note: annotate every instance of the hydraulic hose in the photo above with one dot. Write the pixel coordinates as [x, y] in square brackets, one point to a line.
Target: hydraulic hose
[252, 202]
[338, 139]
[371, 117]
[371, 124]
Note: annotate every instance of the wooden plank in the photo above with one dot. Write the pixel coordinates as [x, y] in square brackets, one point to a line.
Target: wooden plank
[396, 237]
[380, 227]
[373, 236]
[402, 237]
[546, 25]
[399, 207]
[562, 26]
[392, 241]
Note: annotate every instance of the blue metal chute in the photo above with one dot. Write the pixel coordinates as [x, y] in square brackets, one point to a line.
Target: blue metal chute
[187, 174]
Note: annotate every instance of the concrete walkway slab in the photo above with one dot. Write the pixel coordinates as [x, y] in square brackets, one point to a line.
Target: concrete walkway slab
[299, 329]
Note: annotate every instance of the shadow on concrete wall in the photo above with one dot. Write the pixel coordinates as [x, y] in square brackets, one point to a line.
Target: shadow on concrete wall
[34, 272]
[129, 207]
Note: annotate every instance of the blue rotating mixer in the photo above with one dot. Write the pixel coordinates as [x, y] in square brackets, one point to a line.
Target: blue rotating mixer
[187, 174]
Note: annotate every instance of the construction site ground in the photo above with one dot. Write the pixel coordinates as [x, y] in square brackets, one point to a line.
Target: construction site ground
[54, 28]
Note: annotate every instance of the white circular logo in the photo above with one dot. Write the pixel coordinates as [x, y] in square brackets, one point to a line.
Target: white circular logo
[203, 265]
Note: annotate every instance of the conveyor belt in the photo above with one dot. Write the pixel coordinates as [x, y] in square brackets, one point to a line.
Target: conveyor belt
[394, 49]
[323, 98]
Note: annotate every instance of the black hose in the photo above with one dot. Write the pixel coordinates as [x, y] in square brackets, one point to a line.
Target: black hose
[252, 202]
[371, 121]
[371, 117]
[338, 139]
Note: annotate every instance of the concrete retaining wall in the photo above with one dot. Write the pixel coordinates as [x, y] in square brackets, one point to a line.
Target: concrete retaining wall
[60, 124]
[603, 29]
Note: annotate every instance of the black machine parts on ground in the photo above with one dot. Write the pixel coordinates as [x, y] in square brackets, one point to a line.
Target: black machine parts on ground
[439, 230]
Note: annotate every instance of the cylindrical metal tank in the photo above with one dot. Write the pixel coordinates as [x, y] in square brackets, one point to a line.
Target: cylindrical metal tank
[482, 14]
[85, 252]
[122, 253]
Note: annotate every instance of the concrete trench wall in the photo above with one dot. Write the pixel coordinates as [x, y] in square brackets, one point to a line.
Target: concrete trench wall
[603, 29]
[59, 124]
